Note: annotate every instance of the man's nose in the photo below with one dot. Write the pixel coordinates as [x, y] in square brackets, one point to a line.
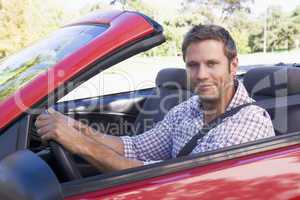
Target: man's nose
[202, 72]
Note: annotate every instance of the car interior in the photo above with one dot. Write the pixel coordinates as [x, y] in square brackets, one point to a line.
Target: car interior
[275, 88]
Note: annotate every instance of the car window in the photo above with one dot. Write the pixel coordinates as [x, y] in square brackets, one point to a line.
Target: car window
[23, 67]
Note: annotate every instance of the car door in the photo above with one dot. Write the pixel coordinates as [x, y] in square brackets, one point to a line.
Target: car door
[14, 137]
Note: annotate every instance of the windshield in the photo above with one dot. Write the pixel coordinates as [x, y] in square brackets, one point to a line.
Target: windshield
[19, 69]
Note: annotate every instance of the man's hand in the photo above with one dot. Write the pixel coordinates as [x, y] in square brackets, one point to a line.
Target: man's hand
[56, 126]
[106, 153]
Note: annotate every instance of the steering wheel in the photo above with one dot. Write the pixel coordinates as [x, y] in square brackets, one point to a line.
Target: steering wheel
[65, 160]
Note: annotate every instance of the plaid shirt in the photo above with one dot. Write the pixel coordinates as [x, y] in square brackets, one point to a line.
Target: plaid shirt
[182, 122]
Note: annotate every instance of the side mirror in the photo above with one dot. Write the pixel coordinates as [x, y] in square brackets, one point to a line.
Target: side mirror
[24, 175]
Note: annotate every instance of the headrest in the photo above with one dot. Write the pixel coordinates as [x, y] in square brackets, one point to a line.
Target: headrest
[273, 81]
[172, 78]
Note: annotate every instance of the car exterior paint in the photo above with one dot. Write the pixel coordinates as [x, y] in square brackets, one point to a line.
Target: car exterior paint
[270, 175]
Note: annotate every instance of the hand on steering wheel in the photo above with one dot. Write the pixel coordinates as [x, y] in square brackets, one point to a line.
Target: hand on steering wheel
[52, 126]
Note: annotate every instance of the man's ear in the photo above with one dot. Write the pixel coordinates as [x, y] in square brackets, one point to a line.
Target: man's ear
[234, 66]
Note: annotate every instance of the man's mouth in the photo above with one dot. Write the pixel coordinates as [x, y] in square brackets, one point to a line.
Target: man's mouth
[204, 86]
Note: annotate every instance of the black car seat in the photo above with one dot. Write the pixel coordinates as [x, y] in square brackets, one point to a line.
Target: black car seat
[171, 89]
[277, 89]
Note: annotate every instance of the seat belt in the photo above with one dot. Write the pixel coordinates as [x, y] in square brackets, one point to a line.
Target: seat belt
[191, 144]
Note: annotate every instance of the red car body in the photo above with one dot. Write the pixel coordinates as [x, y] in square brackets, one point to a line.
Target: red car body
[269, 169]
[271, 175]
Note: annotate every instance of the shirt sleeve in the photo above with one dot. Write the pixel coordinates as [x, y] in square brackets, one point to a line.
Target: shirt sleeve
[154, 145]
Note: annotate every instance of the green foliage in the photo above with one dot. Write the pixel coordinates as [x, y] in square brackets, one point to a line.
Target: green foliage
[23, 22]
[295, 18]
[256, 42]
[217, 10]
[282, 31]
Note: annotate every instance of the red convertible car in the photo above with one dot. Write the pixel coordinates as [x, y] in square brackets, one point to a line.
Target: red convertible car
[39, 76]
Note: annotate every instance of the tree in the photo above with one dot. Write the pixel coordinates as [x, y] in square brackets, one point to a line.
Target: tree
[12, 26]
[231, 14]
[221, 9]
[255, 42]
[295, 17]
[281, 32]
[23, 22]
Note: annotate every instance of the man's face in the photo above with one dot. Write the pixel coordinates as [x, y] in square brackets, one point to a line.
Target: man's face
[208, 69]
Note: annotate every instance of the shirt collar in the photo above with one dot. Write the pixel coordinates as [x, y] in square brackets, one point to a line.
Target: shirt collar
[240, 97]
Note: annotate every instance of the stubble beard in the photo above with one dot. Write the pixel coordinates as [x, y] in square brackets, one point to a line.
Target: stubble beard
[217, 95]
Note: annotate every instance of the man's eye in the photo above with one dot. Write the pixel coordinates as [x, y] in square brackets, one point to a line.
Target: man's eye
[192, 66]
[211, 64]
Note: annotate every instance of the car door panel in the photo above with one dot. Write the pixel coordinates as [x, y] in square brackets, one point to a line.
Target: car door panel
[240, 179]
[267, 175]
[14, 137]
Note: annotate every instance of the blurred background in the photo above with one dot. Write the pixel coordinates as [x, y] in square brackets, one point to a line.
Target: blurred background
[256, 25]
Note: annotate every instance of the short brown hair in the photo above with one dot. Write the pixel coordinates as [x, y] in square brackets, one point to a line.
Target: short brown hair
[210, 32]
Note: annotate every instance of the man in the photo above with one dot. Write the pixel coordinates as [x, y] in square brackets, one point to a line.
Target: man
[211, 61]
